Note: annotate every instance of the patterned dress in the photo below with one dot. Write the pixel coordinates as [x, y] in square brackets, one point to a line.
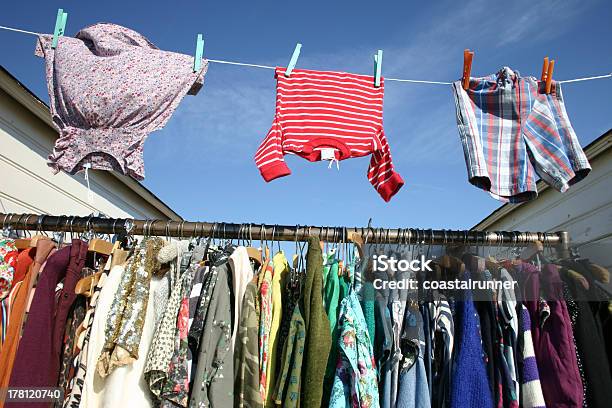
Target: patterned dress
[355, 382]
[265, 323]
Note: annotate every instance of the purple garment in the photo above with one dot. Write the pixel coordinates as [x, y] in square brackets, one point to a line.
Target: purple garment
[109, 88]
[38, 358]
[552, 336]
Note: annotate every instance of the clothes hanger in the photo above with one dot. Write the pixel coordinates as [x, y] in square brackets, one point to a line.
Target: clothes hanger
[253, 253]
[531, 250]
[599, 272]
[23, 243]
[8, 232]
[473, 262]
[39, 233]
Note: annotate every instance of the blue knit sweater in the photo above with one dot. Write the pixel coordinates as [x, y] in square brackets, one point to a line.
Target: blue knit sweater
[469, 384]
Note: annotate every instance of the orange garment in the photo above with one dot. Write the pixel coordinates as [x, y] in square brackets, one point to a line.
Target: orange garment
[24, 260]
[28, 268]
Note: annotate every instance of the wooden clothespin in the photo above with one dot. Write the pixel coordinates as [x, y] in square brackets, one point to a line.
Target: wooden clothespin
[468, 56]
[544, 69]
[377, 68]
[60, 26]
[549, 75]
[197, 59]
[293, 61]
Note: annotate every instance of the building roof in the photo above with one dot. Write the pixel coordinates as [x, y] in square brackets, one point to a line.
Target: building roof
[38, 107]
[594, 149]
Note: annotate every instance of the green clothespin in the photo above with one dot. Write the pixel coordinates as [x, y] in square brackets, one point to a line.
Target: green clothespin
[294, 58]
[60, 26]
[377, 68]
[197, 61]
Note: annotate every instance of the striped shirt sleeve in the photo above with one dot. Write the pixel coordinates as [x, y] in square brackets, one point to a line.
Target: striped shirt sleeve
[381, 172]
[269, 157]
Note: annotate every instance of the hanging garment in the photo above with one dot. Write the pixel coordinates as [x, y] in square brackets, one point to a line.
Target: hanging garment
[398, 299]
[126, 317]
[162, 348]
[213, 380]
[242, 273]
[413, 391]
[508, 127]
[246, 357]
[507, 323]
[29, 263]
[531, 395]
[552, 336]
[109, 88]
[74, 390]
[588, 334]
[487, 313]
[43, 333]
[175, 389]
[8, 257]
[218, 259]
[442, 338]
[125, 385]
[317, 343]
[383, 346]
[70, 351]
[332, 302]
[323, 115]
[279, 280]
[194, 298]
[355, 380]
[288, 393]
[469, 384]
[265, 325]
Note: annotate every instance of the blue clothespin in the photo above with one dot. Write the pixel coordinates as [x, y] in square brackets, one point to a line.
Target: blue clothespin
[294, 58]
[377, 68]
[197, 59]
[60, 26]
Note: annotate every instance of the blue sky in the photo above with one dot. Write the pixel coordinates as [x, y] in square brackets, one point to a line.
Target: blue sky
[202, 165]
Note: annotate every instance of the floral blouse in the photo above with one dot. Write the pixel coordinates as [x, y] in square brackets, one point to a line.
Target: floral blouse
[265, 324]
[355, 383]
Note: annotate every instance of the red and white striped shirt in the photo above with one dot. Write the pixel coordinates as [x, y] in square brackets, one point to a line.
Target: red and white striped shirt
[318, 110]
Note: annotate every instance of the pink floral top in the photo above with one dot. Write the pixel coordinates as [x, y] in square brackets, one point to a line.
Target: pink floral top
[109, 88]
[8, 257]
[265, 324]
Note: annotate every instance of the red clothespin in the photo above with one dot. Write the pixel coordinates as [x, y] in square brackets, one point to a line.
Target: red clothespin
[467, 68]
[549, 75]
[544, 69]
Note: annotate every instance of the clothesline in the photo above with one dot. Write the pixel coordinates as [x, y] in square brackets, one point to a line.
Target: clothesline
[416, 81]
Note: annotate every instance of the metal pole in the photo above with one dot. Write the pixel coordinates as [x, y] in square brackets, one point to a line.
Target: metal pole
[185, 229]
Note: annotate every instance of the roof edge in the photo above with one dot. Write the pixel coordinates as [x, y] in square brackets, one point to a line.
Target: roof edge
[594, 149]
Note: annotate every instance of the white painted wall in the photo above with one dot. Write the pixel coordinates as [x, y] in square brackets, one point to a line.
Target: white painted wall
[585, 210]
[27, 184]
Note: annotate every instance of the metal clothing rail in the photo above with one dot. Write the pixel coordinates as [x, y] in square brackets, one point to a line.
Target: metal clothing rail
[185, 229]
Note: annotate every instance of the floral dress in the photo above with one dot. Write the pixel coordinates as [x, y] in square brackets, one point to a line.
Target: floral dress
[355, 381]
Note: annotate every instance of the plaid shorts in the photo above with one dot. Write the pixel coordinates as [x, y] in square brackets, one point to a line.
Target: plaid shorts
[510, 130]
